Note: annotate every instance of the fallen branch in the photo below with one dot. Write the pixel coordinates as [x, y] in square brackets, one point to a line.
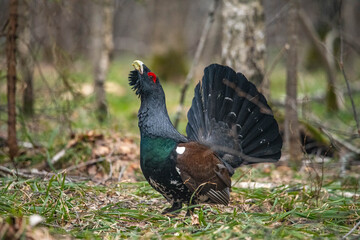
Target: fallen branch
[84, 164]
[13, 172]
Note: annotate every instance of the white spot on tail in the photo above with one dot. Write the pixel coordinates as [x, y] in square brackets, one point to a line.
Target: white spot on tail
[262, 141]
[178, 170]
[174, 182]
[180, 150]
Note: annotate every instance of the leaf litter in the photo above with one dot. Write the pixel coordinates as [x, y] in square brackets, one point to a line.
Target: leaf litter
[116, 202]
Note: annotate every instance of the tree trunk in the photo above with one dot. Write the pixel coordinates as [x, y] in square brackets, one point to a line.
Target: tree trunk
[292, 136]
[105, 47]
[25, 59]
[243, 43]
[11, 77]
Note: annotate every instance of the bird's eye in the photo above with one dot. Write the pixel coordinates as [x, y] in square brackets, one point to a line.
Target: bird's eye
[152, 76]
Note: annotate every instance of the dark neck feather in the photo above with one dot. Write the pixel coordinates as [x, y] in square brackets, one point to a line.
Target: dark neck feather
[154, 120]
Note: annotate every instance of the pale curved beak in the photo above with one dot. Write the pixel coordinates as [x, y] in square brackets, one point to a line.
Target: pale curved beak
[138, 65]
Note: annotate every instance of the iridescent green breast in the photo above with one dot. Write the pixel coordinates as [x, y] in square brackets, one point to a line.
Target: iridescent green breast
[155, 152]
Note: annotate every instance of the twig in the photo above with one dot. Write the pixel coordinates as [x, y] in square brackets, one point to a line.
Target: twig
[35, 173]
[351, 98]
[324, 55]
[121, 173]
[92, 161]
[337, 141]
[341, 64]
[272, 67]
[13, 172]
[198, 52]
[3, 28]
[351, 41]
[253, 99]
[353, 229]
[317, 97]
[283, 9]
[58, 156]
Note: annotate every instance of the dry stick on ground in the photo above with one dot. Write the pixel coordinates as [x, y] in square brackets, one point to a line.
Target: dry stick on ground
[198, 52]
[84, 164]
[341, 64]
[25, 173]
[13, 172]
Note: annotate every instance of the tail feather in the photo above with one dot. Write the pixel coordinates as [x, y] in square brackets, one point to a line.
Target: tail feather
[197, 121]
[262, 127]
[231, 116]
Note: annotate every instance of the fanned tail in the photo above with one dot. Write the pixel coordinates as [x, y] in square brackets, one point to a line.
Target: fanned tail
[229, 115]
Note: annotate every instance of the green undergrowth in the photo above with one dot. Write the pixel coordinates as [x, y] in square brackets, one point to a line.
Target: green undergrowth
[132, 210]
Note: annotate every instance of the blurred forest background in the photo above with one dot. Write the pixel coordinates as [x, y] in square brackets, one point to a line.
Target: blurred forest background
[66, 106]
[73, 58]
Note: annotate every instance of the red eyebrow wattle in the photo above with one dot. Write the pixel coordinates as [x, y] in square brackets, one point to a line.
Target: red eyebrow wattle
[153, 76]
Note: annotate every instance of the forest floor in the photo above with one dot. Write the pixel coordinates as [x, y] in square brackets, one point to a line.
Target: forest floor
[106, 197]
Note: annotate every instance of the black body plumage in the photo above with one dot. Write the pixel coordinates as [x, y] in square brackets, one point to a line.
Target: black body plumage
[229, 124]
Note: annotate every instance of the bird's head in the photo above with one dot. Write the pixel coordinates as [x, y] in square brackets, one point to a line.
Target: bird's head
[142, 80]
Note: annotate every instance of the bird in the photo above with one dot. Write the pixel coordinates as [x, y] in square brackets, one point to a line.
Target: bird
[229, 124]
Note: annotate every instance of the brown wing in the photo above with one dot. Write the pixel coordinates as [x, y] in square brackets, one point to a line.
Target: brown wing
[203, 172]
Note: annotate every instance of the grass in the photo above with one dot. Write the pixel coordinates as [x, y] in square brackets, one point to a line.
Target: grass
[132, 210]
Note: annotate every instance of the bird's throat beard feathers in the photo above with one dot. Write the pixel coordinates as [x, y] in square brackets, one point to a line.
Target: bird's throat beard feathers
[134, 82]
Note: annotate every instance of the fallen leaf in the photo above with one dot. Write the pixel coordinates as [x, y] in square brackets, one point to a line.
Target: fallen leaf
[195, 219]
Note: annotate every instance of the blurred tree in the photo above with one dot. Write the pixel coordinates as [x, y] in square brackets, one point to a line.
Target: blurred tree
[26, 64]
[292, 133]
[102, 20]
[168, 38]
[351, 34]
[243, 43]
[204, 35]
[11, 76]
[168, 25]
[325, 51]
